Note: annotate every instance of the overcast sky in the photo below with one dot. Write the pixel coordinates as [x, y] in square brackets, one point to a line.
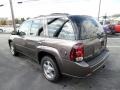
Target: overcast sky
[41, 7]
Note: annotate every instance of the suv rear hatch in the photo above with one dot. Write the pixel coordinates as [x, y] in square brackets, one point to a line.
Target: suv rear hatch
[93, 37]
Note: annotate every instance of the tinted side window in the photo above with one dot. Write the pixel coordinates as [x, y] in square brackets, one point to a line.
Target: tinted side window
[67, 32]
[25, 27]
[54, 25]
[36, 26]
[90, 28]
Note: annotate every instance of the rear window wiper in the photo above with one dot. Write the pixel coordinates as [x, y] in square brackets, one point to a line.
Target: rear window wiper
[100, 35]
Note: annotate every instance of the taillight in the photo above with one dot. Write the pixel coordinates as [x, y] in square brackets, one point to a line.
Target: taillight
[77, 52]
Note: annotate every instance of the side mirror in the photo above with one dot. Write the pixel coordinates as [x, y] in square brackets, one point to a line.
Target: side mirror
[18, 33]
[21, 33]
[13, 33]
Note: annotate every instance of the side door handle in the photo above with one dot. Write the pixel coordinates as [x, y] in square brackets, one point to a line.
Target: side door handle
[41, 41]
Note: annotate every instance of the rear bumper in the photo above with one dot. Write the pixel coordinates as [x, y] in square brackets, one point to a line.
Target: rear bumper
[83, 68]
[98, 61]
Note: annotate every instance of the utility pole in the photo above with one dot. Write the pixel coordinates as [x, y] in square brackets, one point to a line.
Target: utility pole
[12, 13]
[99, 9]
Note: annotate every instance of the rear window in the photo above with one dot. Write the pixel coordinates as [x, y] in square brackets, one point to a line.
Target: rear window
[90, 28]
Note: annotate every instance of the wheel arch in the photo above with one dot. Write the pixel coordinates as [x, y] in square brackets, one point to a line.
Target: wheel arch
[9, 41]
[53, 54]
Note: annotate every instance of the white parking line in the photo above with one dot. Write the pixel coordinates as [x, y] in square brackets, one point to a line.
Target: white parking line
[113, 38]
[114, 46]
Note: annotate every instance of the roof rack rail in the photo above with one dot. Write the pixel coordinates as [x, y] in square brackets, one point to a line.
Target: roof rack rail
[59, 14]
[52, 14]
[39, 16]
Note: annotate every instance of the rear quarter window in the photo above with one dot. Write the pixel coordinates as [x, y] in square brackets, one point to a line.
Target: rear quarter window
[53, 25]
[60, 28]
[67, 32]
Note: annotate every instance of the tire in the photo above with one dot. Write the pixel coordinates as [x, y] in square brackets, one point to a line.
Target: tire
[13, 50]
[112, 32]
[50, 69]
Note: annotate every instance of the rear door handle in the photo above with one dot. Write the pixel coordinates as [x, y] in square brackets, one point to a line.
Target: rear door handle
[40, 42]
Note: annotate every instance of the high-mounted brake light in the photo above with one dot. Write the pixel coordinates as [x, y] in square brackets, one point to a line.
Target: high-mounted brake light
[77, 52]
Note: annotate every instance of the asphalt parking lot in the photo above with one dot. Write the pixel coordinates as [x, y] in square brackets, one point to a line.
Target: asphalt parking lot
[21, 73]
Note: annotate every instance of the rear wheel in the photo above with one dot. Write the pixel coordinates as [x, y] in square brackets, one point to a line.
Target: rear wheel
[113, 32]
[12, 49]
[50, 69]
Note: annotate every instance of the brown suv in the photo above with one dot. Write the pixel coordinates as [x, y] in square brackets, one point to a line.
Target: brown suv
[73, 45]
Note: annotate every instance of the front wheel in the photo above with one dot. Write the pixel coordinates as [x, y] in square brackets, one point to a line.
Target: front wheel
[12, 49]
[50, 69]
